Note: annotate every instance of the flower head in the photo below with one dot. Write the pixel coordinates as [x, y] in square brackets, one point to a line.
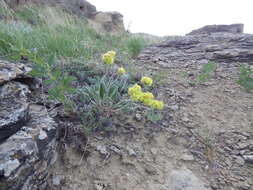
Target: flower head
[146, 81]
[146, 96]
[121, 71]
[136, 96]
[108, 58]
[112, 53]
[134, 89]
[156, 104]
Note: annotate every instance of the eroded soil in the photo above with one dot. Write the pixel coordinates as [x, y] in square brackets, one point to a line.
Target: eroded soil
[207, 128]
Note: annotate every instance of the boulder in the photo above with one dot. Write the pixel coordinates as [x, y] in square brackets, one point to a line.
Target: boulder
[184, 179]
[233, 28]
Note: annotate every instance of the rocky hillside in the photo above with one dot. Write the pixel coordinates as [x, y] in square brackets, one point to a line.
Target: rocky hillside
[111, 22]
[201, 140]
[225, 43]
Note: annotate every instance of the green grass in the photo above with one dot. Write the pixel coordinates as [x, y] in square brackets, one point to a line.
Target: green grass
[135, 45]
[50, 31]
[245, 78]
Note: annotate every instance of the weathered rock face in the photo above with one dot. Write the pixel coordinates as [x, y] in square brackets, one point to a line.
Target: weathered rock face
[233, 28]
[218, 46]
[111, 22]
[27, 133]
[78, 7]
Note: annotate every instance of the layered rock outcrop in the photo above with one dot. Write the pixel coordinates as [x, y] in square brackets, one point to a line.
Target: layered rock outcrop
[217, 46]
[27, 133]
[111, 22]
[233, 28]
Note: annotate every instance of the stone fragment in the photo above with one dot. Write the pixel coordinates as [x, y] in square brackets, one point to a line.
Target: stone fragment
[102, 150]
[184, 179]
[130, 151]
[187, 157]
[248, 158]
[57, 180]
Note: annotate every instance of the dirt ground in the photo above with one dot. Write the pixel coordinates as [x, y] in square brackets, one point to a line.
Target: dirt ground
[207, 128]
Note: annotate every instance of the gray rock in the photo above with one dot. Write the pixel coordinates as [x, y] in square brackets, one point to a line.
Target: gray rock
[184, 179]
[10, 71]
[57, 180]
[174, 107]
[233, 28]
[130, 151]
[187, 157]
[149, 169]
[13, 108]
[239, 160]
[138, 117]
[248, 159]
[24, 157]
[102, 150]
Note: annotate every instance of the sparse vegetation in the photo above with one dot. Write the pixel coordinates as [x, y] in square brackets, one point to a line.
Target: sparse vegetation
[206, 72]
[67, 56]
[246, 78]
[135, 45]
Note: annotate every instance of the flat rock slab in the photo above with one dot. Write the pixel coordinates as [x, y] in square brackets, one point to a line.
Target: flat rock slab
[10, 71]
[184, 179]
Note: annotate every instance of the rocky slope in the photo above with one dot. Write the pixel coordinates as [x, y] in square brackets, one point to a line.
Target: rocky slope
[205, 140]
[111, 22]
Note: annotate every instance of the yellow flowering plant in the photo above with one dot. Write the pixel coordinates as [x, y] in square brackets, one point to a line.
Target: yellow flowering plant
[146, 98]
[108, 58]
[146, 81]
[121, 71]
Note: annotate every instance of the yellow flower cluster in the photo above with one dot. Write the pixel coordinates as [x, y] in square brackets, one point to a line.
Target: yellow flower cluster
[108, 58]
[146, 81]
[147, 98]
[121, 71]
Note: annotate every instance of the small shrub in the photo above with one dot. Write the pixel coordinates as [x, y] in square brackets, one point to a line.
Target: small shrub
[206, 72]
[245, 78]
[103, 100]
[135, 45]
[59, 83]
